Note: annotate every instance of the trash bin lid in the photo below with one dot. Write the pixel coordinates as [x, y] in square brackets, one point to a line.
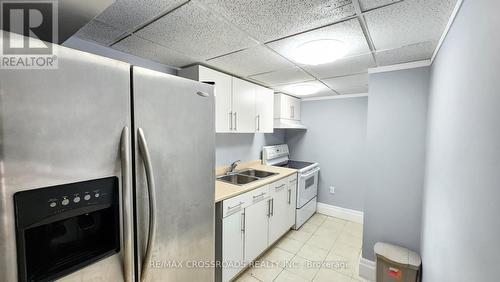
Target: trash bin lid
[398, 254]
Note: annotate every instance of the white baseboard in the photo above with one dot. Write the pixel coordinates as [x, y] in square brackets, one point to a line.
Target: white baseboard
[342, 213]
[367, 269]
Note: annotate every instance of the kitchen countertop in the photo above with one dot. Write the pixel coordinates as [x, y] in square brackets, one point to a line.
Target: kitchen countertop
[224, 190]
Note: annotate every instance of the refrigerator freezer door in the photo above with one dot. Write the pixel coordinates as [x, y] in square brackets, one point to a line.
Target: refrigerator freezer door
[56, 127]
[176, 117]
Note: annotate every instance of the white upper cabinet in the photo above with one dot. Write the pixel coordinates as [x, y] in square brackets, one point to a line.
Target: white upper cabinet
[240, 106]
[223, 99]
[264, 109]
[286, 107]
[243, 106]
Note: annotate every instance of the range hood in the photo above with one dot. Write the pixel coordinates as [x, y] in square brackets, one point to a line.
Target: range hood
[73, 15]
[288, 123]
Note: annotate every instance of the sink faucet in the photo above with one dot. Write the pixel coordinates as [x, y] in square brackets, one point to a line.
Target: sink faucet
[233, 166]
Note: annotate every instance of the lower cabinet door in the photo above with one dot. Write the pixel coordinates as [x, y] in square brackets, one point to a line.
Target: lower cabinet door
[278, 221]
[256, 229]
[232, 245]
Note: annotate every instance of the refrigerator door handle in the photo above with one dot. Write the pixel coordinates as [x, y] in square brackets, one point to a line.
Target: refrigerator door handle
[128, 252]
[146, 157]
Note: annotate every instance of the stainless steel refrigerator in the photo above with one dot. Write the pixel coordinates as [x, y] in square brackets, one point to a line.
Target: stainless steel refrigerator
[66, 135]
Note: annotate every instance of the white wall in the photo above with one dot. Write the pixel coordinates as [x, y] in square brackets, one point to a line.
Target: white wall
[230, 147]
[396, 134]
[461, 224]
[335, 138]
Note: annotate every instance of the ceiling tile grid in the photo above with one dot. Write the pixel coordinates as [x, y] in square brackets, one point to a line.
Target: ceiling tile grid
[344, 66]
[142, 48]
[349, 32]
[350, 84]
[283, 76]
[406, 54]
[251, 61]
[373, 4]
[197, 32]
[408, 22]
[127, 14]
[99, 32]
[271, 20]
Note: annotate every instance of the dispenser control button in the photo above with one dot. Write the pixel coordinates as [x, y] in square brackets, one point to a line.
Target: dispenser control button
[53, 204]
[65, 202]
[97, 195]
[86, 197]
[76, 199]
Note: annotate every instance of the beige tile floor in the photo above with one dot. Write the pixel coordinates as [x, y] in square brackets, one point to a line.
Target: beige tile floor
[323, 249]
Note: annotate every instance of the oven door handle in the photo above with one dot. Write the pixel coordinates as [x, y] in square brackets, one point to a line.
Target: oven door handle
[311, 172]
[128, 251]
[146, 158]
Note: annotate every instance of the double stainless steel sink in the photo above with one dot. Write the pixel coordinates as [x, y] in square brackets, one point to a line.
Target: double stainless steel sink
[245, 176]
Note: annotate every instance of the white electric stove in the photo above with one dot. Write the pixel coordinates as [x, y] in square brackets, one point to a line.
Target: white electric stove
[307, 180]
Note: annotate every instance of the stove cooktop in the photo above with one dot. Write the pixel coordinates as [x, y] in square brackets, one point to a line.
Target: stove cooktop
[295, 164]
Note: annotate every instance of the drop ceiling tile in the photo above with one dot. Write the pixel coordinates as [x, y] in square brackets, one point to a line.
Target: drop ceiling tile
[271, 20]
[373, 4]
[323, 90]
[99, 32]
[143, 48]
[283, 76]
[250, 61]
[349, 32]
[410, 53]
[344, 66]
[408, 22]
[351, 84]
[127, 14]
[196, 32]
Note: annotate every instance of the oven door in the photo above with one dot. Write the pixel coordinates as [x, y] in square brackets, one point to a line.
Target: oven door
[307, 186]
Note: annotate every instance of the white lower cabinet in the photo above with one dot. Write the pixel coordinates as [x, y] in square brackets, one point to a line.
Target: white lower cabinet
[279, 218]
[256, 225]
[251, 222]
[232, 244]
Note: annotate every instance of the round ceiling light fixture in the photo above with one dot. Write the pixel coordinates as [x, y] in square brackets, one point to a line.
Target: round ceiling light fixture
[302, 89]
[321, 51]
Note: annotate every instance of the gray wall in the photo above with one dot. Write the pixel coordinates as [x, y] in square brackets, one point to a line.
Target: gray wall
[396, 134]
[461, 224]
[244, 146]
[94, 48]
[335, 138]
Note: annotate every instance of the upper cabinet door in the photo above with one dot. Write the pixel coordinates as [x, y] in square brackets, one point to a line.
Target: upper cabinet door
[223, 99]
[264, 109]
[295, 103]
[243, 106]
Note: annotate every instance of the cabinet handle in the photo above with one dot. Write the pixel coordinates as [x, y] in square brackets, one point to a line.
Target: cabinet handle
[235, 121]
[258, 122]
[279, 187]
[289, 196]
[269, 208]
[291, 111]
[243, 222]
[260, 195]
[230, 120]
[237, 206]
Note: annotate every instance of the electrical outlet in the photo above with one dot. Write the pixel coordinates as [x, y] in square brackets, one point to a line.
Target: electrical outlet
[332, 190]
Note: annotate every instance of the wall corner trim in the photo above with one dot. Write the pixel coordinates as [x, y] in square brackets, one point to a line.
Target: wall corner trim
[367, 269]
[405, 66]
[339, 212]
[447, 29]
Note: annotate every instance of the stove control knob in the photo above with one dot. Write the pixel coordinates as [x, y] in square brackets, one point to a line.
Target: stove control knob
[76, 199]
[97, 195]
[86, 197]
[65, 202]
[53, 204]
